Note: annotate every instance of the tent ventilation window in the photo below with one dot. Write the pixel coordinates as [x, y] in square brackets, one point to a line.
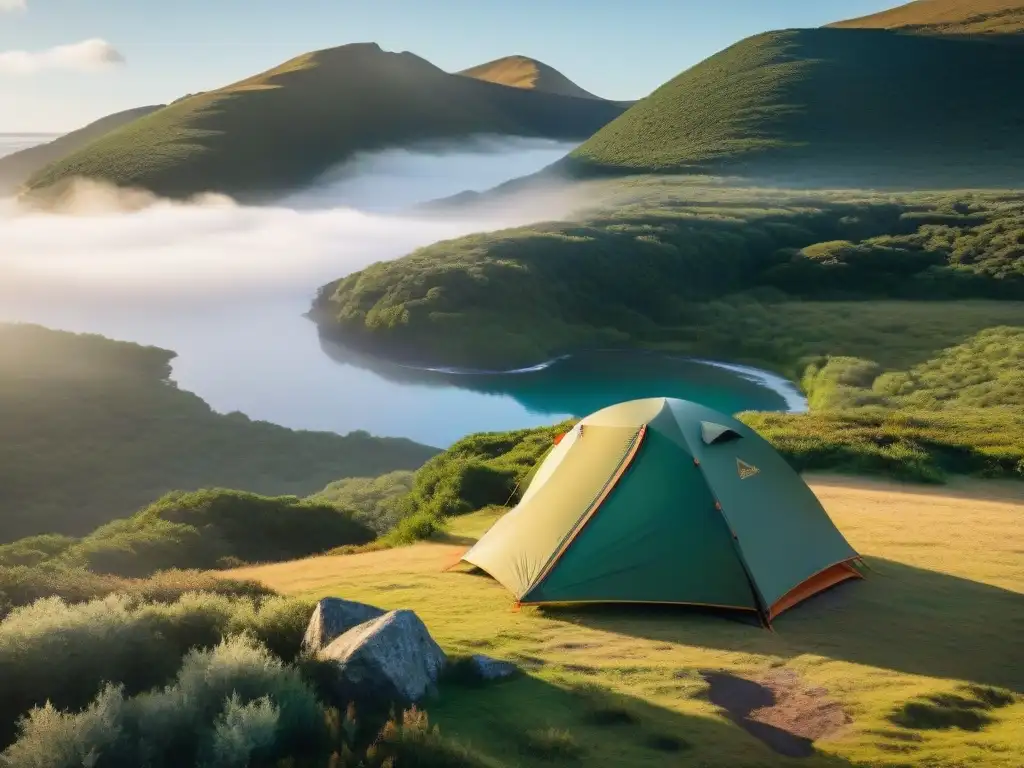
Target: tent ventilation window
[713, 434]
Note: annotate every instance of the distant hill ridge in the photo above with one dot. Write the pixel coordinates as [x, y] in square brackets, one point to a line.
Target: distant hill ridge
[947, 17]
[17, 167]
[277, 130]
[830, 106]
[530, 74]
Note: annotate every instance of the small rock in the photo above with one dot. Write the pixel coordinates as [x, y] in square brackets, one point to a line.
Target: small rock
[334, 617]
[389, 658]
[492, 669]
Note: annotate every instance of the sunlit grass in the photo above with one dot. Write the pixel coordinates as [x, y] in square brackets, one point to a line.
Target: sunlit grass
[938, 610]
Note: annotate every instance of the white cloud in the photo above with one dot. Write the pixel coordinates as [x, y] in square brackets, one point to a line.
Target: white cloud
[12, 5]
[87, 56]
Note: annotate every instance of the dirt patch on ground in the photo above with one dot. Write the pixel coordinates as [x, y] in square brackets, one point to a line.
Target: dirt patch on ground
[778, 708]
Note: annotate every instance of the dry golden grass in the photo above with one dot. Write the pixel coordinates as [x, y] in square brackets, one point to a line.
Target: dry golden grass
[942, 607]
[948, 16]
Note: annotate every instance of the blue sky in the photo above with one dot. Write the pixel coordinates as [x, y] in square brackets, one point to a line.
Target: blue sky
[61, 60]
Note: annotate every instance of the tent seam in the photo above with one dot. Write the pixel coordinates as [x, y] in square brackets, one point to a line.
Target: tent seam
[591, 509]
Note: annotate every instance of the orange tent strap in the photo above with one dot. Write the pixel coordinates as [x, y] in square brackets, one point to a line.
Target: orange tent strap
[819, 582]
[456, 561]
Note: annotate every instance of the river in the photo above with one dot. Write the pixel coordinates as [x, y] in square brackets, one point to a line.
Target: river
[226, 287]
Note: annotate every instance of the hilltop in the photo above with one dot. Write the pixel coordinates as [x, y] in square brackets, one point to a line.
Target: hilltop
[529, 74]
[282, 128]
[829, 107]
[947, 17]
[93, 429]
[18, 167]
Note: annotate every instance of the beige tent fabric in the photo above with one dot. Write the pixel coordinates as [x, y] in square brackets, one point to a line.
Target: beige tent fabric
[519, 546]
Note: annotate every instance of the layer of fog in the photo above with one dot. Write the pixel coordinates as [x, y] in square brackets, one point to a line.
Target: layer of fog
[109, 245]
[226, 285]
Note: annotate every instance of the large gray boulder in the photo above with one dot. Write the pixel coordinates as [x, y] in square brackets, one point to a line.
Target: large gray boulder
[332, 618]
[391, 658]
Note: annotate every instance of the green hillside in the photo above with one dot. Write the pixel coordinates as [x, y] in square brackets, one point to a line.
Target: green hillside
[947, 17]
[202, 530]
[821, 107]
[708, 269]
[94, 429]
[281, 128]
[527, 73]
[16, 168]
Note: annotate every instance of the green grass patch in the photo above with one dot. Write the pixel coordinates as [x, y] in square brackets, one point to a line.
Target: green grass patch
[551, 744]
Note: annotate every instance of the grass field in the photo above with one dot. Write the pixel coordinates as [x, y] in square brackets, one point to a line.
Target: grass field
[942, 609]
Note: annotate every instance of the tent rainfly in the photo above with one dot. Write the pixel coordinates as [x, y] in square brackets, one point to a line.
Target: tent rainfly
[666, 501]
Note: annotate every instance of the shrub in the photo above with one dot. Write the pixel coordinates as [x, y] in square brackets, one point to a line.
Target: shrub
[21, 586]
[232, 705]
[52, 651]
[204, 529]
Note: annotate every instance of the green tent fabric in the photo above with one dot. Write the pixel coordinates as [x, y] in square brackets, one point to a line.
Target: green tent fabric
[665, 501]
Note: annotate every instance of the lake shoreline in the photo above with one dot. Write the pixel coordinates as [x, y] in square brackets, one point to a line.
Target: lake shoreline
[787, 390]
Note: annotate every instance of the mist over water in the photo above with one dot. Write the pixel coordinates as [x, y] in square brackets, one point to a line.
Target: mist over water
[226, 286]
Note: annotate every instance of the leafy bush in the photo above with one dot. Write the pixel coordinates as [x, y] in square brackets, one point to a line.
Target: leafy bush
[231, 706]
[21, 585]
[201, 529]
[53, 651]
[372, 500]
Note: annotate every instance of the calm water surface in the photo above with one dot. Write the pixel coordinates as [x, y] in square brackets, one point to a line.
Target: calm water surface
[226, 288]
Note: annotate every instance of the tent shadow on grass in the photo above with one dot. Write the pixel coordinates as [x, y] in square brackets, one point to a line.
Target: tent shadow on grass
[531, 721]
[900, 617]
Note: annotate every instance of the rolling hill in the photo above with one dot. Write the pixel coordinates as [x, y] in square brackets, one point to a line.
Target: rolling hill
[947, 17]
[830, 107]
[18, 167]
[529, 74]
[676, 262]
[94, 429]
[282, 128]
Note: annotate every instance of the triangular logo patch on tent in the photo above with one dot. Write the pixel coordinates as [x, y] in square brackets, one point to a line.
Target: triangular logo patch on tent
[745, 470]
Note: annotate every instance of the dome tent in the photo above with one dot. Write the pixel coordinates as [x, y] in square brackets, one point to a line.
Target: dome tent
[665, 501]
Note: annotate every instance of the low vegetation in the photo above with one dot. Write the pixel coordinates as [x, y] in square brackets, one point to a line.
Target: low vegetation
[282, 128]
[831, 107]
[708, 269]
[204, 681]
[372, 500]
[95, 429]
[198, 530]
